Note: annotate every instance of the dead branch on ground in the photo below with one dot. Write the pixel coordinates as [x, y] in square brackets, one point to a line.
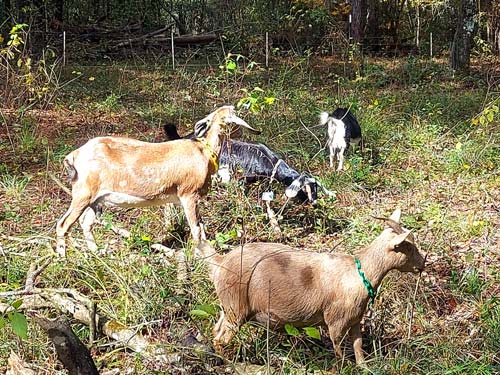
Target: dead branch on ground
[82, 309]
[71, 352]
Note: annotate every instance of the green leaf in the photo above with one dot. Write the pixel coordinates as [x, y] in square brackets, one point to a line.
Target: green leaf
[208, 308]
[2, 322]
[258, 89]
[240, 102]
[19, 324]
[489, 116]
[291, 330]
[312, 332]
[199, 314]
[231, 65]
[17, 304]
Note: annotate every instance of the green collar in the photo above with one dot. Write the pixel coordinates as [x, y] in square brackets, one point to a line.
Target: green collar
[368, 284]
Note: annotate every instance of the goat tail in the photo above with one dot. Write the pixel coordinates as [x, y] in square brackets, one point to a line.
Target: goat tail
[69, 164]
[323, 118]
[209, 255]
[171, 132]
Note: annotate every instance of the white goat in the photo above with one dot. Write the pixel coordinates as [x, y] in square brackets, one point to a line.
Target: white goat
[270, 282]
[343, 131]
[126, 172]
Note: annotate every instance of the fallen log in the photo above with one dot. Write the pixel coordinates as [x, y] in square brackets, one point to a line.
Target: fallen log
[130, 41]
[71, 352]
[159, 38]
[195, 39]
[82, 309]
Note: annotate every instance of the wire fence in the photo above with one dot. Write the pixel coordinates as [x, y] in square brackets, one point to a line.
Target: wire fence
[93, 44]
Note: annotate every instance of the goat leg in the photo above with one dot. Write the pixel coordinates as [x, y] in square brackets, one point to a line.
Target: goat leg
[335, 332]
[357, 344]
[190, 205]
[224, 333]
[87, 219]
[340, 157]
[78, 205]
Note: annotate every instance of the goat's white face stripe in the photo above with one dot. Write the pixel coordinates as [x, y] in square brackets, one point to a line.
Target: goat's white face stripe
[309, 192]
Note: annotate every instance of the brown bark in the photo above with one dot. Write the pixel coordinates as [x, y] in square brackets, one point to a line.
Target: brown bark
[156, 38]
[492, 11]
[358, 20]
[374, 17]
[464, 34]
[71, 352]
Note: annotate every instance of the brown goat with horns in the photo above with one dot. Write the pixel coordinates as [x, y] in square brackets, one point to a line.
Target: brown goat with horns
[126, 172]
[277, 283]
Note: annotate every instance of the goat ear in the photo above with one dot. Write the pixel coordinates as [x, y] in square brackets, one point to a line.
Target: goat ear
[310, 180]
[396, 215]
[323, 118]
[206, 119]
[399, 239]
[200, 129]
[292, 190]
[325, 190]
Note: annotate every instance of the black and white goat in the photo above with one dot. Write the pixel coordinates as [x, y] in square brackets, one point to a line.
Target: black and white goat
[257, 162]
[343, 130]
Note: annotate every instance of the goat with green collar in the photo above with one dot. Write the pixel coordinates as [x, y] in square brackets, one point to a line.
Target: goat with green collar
[276, 284]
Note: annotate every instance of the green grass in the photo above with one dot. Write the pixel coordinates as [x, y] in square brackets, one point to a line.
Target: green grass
[422, 153]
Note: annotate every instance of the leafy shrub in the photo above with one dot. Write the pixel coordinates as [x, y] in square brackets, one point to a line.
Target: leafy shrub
[27, 81]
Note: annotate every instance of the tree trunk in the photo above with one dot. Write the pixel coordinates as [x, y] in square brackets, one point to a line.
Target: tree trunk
[357, 34]
[464, 34]
[373, 32]
[493, 26]
[358, 20]
[59, 11]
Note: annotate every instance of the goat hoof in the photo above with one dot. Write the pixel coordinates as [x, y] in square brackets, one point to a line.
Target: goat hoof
[362, 365]
[92, 246]
[219, 348]
[61, 250]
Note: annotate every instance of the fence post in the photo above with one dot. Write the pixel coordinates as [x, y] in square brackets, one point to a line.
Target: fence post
[64, 48]
[267, 49]
[172, 45]
[430, 50]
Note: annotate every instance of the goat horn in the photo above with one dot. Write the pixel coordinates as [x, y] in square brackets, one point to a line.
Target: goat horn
[239, 121]
[325, 190]
[396, 227]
